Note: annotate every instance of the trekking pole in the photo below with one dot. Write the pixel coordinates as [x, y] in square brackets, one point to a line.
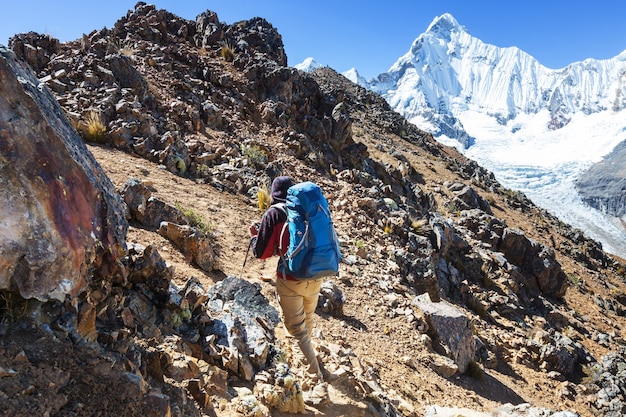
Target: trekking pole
[245, 259]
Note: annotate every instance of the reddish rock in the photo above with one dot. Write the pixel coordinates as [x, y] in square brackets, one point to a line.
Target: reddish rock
[61, 217]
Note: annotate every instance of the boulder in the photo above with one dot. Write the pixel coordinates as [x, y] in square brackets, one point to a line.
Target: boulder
[467, 198]
[243, 322]
[451, 330]
[62, 219]
[146, 209]
[331, 299]
[194, 244]
[537, 263]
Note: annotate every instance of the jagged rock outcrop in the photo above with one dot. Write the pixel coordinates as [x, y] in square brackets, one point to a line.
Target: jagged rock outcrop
[608, 380]
[62, 219]
[536, 262]
[170, 222]
[466, 198]
[153, 91]
[35, 49]
[147, 210]
[195, 244]
[243, 323]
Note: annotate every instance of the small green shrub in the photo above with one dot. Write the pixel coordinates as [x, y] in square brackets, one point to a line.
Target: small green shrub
[195, 220]
[255, 154]
[181, 166]
[203, 170]
[454, 208]
[593, 373]
[573, 279]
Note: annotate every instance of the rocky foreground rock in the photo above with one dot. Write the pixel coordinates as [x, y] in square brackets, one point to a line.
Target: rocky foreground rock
[62, 218]
[433, 237]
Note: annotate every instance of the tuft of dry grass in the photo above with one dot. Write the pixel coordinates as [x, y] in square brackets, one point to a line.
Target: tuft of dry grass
[13, 308]
[263, 197]
[228, 51]
[94, 129]
[421, 226]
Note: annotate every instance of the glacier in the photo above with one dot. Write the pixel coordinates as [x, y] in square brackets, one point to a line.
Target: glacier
[544, 163]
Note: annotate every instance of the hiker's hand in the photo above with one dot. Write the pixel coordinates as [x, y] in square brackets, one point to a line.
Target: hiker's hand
[254, 229]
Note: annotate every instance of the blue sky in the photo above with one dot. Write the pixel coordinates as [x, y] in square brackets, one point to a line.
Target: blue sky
[364, 34]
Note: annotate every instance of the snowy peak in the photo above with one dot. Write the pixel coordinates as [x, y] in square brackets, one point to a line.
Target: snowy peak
[536, 128]
[443, 26]
[447, 71]
[353, 75]
[308, 65]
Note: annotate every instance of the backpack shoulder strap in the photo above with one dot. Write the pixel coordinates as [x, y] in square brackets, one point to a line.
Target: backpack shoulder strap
[281, 206]
[281, 249]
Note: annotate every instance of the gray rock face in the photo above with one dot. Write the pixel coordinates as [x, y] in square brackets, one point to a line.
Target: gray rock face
[603, 185]
[61, 216]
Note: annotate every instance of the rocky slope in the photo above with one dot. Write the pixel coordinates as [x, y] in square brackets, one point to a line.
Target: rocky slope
[454, 292]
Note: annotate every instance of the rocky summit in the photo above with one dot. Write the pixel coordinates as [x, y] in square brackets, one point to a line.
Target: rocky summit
[132, 162]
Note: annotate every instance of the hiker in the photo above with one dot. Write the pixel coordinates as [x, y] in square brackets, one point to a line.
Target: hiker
[297, 298]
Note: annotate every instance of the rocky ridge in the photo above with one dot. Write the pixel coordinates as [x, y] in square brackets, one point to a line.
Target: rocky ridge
[449, 280]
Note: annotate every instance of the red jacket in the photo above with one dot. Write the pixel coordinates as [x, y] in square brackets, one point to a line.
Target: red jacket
[266, 243]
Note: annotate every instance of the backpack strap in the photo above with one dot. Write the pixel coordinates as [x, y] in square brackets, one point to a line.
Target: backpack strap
[280, 249]
[282, 207]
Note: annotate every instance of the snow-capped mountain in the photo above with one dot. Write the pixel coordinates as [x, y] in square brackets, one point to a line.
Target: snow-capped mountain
[447, 71]
[353, 75]
[309, 64]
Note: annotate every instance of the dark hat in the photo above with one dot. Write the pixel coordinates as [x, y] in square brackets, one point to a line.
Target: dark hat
[279, 188]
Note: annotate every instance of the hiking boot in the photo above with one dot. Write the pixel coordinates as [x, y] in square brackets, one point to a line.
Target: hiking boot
[318, 395]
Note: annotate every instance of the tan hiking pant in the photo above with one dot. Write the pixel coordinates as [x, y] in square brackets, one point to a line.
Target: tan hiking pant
[298, 300]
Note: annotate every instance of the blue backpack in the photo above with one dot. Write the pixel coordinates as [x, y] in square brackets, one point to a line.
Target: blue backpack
[313, 245]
